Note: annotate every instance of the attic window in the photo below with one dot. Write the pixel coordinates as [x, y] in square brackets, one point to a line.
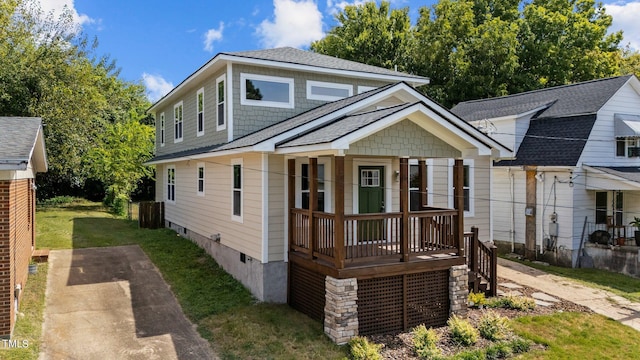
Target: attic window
[317, 90]
[270, 91]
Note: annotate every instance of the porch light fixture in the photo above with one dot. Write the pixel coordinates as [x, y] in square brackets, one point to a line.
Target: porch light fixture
[397, 175]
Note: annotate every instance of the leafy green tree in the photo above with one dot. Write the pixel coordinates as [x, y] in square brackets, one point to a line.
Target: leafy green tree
[630, 61]
[369, 34]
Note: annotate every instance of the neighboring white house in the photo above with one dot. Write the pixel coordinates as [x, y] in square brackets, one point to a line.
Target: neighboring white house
[577, 157]
[229, 136]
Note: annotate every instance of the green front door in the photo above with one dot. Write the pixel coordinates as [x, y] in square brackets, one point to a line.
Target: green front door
[371, 200]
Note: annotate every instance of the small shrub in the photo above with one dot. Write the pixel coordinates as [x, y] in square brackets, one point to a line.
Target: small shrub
[462, 332]
[361, 349]
[425, 342]
[470, 355]
[498, 351]
[519, 345]
[56, 201]
[476, 299]
[521, 303]
[493, 327]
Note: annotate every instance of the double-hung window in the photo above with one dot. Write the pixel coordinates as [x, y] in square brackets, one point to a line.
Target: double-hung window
[162, 129]
[177, 122]
[270, 91]
[304, 186]
[200, 112]
[220, 104]
[171, 184]
[200, 175]
[415, 193]
[467, 189]
[237, 190]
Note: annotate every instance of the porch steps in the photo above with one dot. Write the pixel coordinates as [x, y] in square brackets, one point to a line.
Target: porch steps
[40, 255]
[477, 283]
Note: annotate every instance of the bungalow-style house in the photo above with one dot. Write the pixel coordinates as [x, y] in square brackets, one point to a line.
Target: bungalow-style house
[325, 183]
[577, 166]
[22, 155]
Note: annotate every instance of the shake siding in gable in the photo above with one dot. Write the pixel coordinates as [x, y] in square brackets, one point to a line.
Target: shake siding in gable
[189, 125]
[600, 149]
[276, 207]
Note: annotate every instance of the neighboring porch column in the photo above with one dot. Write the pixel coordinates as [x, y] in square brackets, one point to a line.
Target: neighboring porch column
[313, 203]
[422, 178]
[404, 207]
[458, 203]
[339, 212]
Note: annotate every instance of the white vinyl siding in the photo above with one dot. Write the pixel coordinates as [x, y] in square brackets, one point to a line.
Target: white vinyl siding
[200, 112]
[178, 114]
[318, 90]
[269, 91]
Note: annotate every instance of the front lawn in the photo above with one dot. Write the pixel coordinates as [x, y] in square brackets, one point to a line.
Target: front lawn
[239, 328]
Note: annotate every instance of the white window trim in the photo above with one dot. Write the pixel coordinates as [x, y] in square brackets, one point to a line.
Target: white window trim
[162, 128]
[175, 121]
[328, 182]
[238, 218]
[429, 164]
[628, 143]
[221, 79]
[311, 96]
[362, 88]
[465, 162]
[199, 166]
[243, 91]
[166, 184]
[199, 133]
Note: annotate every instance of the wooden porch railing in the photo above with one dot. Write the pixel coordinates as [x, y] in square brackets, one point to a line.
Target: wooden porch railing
[482, 260]
[374, 237]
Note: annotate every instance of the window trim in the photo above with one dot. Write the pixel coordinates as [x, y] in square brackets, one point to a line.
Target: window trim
[243, 91]
[221, 79]
[162, 128]
[328, 183]
[338, 86]
[466, 163]
[234, 163]
[178, 122]
[171, 170]
[200, 132]
[202, 179]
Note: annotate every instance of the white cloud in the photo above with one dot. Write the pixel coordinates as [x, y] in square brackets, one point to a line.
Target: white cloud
[211, 36]
[296, 24]
[334, 7]
[156, 85]
[625, 18]
[57, 7]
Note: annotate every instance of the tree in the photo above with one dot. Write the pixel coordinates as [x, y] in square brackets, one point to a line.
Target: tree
[630, 61]
[371, 35]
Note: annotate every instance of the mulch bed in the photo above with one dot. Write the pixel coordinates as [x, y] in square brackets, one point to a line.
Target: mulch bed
[400, 346]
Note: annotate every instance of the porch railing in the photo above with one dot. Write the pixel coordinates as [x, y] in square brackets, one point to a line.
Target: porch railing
[482, 260]
[370, 237]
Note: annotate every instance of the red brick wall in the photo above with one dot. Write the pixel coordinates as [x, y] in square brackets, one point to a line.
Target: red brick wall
[17, 211]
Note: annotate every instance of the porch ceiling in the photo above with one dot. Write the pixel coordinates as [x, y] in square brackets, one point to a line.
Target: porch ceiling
[612, 178]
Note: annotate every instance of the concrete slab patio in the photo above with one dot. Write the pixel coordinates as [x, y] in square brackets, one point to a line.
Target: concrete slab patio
[600, 301]
[112, 303]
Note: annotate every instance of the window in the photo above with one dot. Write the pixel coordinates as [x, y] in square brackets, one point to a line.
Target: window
[414, 186]
[621, 147]
[260, 90]
[601, 207]
[304, 186]
[370, 178]
[220, 108]
[200, 179]
[317, 90]
[177, 122]
[162, 129]
[200, 111]
[627, 147]
[467, 189]
[171, 184]
[237, 189]
[619, 207]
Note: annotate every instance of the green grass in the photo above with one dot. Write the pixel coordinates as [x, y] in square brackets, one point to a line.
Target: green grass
[223, 310]
[28, 328]
[626, 286]
[578, 336]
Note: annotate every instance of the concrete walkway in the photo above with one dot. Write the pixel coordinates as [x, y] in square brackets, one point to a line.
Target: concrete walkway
[600, 301]
[112, 303]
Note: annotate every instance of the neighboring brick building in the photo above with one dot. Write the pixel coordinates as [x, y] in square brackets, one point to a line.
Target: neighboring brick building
[22, 155]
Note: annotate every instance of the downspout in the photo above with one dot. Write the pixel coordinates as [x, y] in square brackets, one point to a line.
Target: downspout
[513, 211]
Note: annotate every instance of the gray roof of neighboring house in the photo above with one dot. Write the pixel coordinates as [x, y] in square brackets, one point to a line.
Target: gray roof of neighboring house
[18, 136]
[553, 142]
[301, 57]
[568, 100]
[626, 172]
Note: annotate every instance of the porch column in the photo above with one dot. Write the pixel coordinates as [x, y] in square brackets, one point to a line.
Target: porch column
[291, 194]
[338, 209]
[530, 213]
[458, 201]
[422, 177]
[404, 207]
[313, 203]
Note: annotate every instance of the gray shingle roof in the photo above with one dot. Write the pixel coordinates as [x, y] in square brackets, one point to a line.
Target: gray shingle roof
[341, 127]
[553, 142]
[568, 100]
[18, 136]
[626, 172]
[301, 57]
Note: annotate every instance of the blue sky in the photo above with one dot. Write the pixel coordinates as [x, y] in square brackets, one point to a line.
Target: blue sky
[161, 42]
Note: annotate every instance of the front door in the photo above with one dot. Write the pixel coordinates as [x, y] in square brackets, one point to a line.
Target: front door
[371, 200]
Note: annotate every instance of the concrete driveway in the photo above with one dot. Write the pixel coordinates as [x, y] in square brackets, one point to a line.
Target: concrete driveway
[112, 303]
